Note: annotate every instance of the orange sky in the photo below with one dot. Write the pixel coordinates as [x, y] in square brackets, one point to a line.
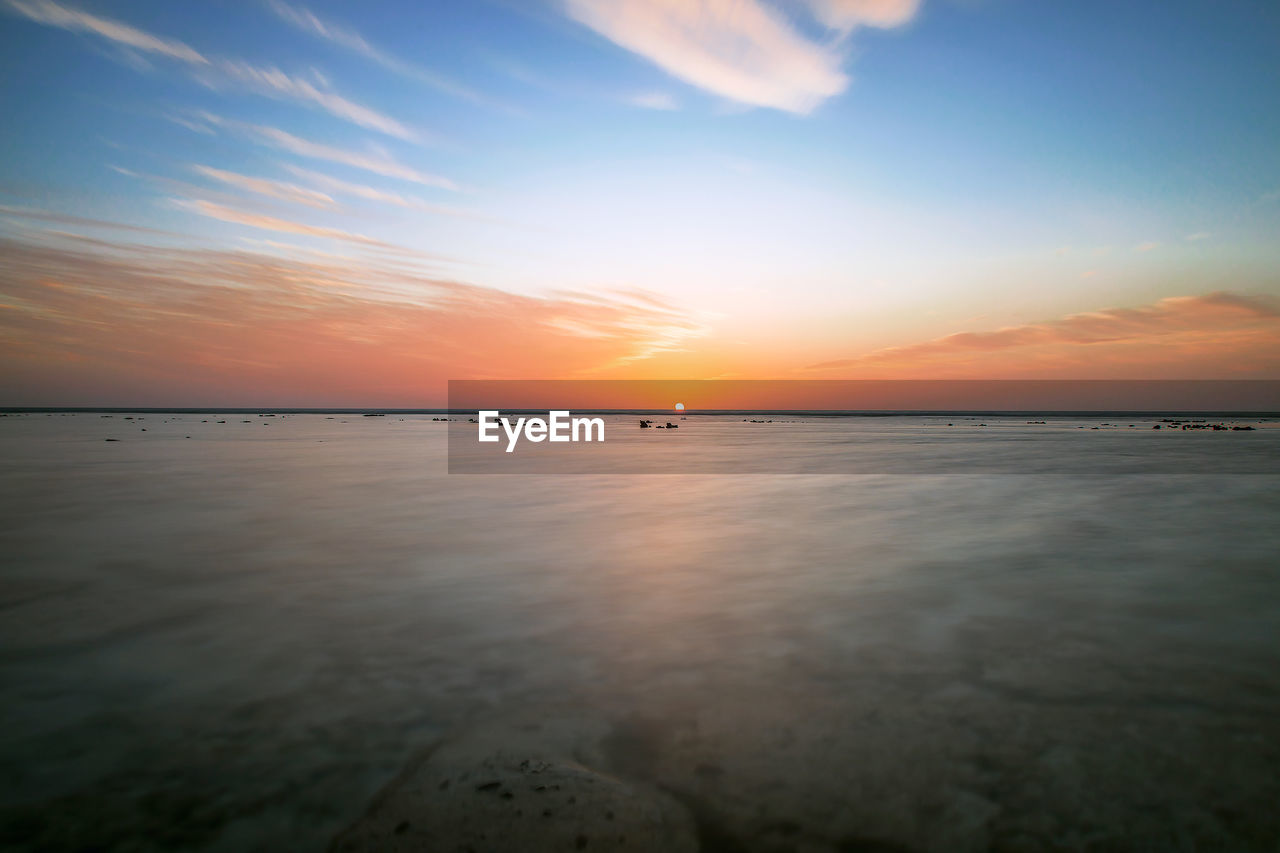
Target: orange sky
[296, 204]
[868, 395]
[95, 323]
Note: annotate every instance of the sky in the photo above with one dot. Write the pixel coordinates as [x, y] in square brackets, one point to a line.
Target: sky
[323, 203]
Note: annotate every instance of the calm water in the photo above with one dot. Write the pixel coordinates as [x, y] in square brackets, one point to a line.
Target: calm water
[231, 641]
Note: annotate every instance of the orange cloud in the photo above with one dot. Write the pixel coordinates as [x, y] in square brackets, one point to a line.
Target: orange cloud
[273, 223]
[1217, 334]
[145, 325]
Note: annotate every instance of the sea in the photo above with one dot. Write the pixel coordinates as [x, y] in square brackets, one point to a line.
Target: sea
[227, 631]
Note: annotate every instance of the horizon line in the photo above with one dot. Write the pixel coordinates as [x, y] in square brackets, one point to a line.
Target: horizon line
[381, 410]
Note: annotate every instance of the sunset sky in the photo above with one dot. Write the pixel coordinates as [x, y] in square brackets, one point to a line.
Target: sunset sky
[272, 202]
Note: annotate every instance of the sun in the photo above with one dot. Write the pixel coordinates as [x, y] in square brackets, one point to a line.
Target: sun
[679, 407]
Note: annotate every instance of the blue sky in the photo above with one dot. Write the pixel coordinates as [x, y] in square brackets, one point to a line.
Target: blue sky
[818, 179]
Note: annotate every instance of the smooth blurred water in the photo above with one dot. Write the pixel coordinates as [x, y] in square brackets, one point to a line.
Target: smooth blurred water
[231, 641]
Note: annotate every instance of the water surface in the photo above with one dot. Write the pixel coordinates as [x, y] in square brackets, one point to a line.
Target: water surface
[231, 641]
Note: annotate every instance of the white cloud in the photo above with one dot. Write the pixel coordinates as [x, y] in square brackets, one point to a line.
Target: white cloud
[745, 50]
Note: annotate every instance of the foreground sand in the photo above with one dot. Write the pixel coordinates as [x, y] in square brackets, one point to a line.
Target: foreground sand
[517, 785]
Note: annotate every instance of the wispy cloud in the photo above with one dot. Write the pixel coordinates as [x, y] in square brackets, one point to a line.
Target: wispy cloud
[1148, 246]
[376, 161]
[55, 15]
[745, 50]
[211, 70]
[350, 188]
[368, 193]
[38, 215]
[190, 124]
[304, 20]
[214, 210]
[1215, 328]
[264, 186]
[308, 22]
[654, 101]
[271, 81]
